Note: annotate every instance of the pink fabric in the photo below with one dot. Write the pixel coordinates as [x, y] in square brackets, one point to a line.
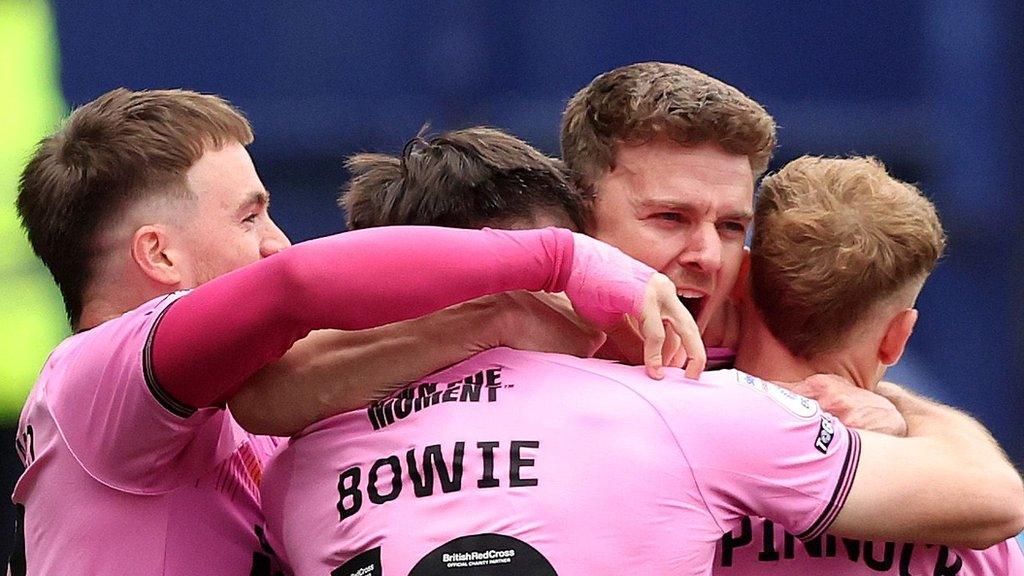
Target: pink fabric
[116, 484]
[210, 342]
[720, 357]
[122, 479]
[589, 464]
[762, 548]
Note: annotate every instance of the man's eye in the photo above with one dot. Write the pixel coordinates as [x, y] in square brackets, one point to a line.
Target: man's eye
[669, 216]
[735, 227]
[251, 218]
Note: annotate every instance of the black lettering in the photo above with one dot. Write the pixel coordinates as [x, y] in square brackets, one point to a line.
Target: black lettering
[31, 441]
[433, 399]
[403, 407]
[814, 547]
[768, 552]
[943, 569]
[371, 413]
[516, 461]
[788, 546]
[451, 481]
[396, 480]
[487, 480]
[351, 490]
[493, 383]
[830, 546]
[425, 395]
[263, 560]
[731, 542]
[450, 394]
[470, 392]
[381, 414]
[883, 565]
[906, 553]
[406, 393]
[852, 549]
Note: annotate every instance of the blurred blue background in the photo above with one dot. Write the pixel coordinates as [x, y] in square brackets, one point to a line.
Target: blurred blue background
[934, 89]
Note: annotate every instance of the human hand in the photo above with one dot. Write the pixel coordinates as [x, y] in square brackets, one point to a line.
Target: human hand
[854, 406]
[669, 332]
[605, 284]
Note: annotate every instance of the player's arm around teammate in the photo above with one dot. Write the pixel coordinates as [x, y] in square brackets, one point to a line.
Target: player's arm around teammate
[902, 483]
[258, 312]
[341, 370]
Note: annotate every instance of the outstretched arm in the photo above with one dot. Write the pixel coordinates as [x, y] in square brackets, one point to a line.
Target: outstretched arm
[948, 481]
[210, 341]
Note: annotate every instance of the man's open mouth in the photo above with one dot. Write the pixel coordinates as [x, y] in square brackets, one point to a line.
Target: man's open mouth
[693, 301]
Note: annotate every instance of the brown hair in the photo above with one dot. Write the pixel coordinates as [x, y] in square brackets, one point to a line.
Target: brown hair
[833, 237]
[466, 178]
[120, 148]
[640, 102]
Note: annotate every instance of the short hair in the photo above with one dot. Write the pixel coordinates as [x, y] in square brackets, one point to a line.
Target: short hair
[466, 178]
[832, 238]
[641, 102]
[110, 153]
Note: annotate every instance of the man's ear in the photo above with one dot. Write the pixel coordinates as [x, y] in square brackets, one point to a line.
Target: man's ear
[152, 254]
[897, 333]
[741, 289]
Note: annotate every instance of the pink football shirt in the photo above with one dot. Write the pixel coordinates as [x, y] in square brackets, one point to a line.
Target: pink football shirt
[761, 547]
[141, 489]
[529, 463]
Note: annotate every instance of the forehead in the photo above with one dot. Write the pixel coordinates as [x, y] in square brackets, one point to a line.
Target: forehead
[663, 172]
[224, 177]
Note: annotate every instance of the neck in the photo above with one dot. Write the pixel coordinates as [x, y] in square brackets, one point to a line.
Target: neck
[761, 354]
[108, 299]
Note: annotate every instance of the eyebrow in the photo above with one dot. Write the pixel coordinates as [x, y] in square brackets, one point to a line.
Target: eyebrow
[256, 197]
[685, 206]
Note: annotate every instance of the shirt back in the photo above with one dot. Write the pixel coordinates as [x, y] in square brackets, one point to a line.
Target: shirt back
[529, 463]
[761, 547]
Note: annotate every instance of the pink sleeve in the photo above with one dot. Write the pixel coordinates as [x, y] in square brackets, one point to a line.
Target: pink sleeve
[756, 449]
[210, 341]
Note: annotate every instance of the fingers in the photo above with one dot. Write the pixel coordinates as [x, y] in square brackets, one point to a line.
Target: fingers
[682, 324]
[670, 333]
[653, 332]
[672, 352]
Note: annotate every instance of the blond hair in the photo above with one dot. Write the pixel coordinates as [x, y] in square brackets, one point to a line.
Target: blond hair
[833, 237]
[640, 102]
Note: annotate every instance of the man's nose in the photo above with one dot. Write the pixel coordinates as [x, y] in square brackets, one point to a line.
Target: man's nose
[274, 240]
[705, 249]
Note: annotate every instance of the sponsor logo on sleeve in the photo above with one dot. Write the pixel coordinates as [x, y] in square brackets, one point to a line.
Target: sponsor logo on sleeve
[826, 432]
[794, 403]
